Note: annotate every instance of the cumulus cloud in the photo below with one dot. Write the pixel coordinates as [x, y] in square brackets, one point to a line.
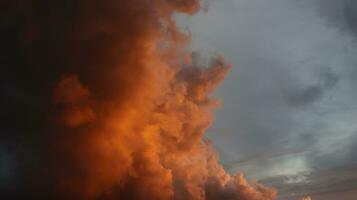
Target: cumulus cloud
[106, 102]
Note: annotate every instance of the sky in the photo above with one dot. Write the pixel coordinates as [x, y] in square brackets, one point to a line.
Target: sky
[102, 100]
[288, 114]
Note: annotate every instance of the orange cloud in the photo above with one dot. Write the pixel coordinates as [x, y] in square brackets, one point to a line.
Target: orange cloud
[128, 118]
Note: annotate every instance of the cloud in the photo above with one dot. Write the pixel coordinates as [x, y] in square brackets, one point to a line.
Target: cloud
[293, 87]
[306, 198]
[307, 95]
[350, 15]
[106, 102]
[340, 14]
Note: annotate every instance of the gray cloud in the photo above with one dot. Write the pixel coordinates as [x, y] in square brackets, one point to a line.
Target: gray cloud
[304, 96]
[350, 14]
[288, 105]
[299, 96]
[341, 14]
[320, 185]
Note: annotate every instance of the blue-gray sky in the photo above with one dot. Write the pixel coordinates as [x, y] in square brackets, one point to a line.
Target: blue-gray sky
[289, 109]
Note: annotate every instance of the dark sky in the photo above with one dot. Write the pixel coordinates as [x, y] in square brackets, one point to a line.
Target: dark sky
[289, 106]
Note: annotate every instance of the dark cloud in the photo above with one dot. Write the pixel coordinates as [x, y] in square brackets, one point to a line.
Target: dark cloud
[306, 95]
[350, 15]
[341, 14]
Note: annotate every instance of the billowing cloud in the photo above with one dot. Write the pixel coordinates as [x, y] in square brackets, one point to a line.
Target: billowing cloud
[105, 102]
